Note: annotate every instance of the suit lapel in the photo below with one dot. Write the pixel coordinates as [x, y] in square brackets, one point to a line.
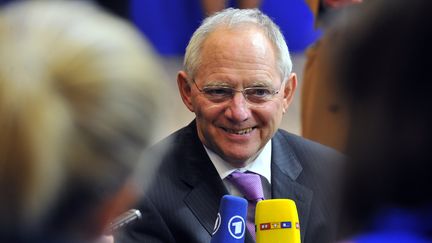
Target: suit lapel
[285, 170]
[203, 200]
[206, 186]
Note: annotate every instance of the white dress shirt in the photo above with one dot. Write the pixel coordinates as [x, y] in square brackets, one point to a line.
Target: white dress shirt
[261, 166]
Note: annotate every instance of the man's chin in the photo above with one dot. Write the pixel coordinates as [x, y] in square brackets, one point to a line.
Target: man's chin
[239, 161]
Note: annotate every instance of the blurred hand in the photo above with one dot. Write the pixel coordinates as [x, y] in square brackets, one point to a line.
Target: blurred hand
[105, 239]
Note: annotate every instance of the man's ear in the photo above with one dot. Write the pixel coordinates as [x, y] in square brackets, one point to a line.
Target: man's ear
[185, 89]
[289, 89]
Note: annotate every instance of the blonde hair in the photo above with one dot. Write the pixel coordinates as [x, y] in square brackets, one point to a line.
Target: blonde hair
[79, 99]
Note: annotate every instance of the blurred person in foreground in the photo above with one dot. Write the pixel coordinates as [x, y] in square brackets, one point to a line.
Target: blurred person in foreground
[323, 111]
[382, 68]
[79, 100]
[237, 80]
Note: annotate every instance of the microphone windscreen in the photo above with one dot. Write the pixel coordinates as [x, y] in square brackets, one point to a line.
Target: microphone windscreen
[276, 221]
[230, 225]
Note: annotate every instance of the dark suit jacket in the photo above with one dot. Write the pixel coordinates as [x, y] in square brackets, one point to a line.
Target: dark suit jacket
[182, 203]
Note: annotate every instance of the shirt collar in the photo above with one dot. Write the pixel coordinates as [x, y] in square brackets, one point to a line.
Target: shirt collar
[261, 165]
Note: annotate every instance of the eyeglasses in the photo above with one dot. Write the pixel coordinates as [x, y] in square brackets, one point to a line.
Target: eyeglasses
[254, 95]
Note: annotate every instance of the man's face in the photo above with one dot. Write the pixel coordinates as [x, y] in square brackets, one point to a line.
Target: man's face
[237, 129]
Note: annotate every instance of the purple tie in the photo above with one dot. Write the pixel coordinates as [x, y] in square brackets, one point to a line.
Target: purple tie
[249, 185]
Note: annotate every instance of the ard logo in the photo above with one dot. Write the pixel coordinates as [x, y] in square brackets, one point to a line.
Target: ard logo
[217, 224]
[237, 227]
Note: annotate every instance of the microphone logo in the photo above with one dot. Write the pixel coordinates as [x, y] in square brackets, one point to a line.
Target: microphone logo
[276, 220]
[237, 227]
[217, 224]
[230, 224]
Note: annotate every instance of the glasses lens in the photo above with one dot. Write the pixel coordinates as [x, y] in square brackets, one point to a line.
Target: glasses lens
[255, 95]
[258, 94]
[218, 94]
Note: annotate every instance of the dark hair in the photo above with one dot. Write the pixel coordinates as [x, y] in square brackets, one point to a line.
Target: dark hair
[381, 66]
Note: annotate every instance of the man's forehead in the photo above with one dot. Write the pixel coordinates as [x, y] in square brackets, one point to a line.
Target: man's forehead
[233, 32]
[227, 41]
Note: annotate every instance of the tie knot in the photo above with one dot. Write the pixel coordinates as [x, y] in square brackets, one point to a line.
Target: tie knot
[249, 184]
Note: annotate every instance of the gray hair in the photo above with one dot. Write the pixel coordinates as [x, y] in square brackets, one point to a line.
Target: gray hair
[233, 18]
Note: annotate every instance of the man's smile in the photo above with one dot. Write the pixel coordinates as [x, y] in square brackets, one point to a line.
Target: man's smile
[239, 131]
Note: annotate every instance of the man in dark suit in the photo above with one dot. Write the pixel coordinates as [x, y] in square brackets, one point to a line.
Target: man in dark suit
[238, 82]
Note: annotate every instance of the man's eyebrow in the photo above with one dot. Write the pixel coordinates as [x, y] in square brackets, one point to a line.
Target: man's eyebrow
[259, 83]
[218, 83]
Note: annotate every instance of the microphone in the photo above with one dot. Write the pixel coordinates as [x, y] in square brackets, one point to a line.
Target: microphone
[276, 221]
[230, 225]
[122, 220]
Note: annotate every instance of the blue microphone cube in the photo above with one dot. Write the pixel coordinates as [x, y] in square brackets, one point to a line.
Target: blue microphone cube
[230, 225]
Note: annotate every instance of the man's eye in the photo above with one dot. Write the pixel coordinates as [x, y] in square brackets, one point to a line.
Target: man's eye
[218, 91]
[259, 92]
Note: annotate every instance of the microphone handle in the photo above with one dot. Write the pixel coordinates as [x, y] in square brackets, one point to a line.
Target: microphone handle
[124, 219]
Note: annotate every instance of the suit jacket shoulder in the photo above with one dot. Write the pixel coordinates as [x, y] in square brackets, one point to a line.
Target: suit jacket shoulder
[307, 172]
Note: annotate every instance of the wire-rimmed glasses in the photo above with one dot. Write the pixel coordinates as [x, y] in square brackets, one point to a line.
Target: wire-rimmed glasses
[254, 95]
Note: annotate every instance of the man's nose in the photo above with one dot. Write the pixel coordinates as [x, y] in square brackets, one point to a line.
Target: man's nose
[238, 109]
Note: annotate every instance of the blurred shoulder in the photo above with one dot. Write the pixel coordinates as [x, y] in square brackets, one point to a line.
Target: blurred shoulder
[185, 136]
[305, 149]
